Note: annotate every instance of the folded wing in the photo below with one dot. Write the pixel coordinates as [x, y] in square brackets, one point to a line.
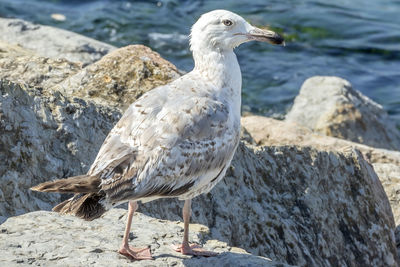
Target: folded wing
[158, 150]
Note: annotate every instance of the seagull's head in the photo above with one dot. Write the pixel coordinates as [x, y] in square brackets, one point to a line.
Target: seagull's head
[225, 30]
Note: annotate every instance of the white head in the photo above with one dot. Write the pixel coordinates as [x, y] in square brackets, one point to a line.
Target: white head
[223, 30]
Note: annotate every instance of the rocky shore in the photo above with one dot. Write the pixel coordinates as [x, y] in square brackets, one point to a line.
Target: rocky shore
[319, 188]
[52, 240]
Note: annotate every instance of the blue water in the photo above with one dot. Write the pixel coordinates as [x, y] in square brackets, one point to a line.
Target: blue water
[357, 40]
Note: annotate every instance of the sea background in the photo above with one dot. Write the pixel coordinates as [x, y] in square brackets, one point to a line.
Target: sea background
[358, 40]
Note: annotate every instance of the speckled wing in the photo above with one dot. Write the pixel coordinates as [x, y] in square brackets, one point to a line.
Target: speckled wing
[165, 147]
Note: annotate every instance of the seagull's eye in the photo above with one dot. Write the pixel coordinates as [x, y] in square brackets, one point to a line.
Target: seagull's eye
[227, 22]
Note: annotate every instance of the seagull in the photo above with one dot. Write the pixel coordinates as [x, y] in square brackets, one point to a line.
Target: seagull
[177, 140]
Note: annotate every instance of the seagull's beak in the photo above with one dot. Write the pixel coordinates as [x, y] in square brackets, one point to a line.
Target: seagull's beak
[264, 35]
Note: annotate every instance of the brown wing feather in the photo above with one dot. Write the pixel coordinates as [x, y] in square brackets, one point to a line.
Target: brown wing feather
[76, 184]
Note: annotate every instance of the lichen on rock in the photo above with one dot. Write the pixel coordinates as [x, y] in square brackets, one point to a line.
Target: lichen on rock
[120, 77]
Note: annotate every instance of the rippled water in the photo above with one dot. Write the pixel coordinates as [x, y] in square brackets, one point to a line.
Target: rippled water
[354, 39]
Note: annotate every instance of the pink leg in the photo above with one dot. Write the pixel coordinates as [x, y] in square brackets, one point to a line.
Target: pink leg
[129, 251]
[186, 248]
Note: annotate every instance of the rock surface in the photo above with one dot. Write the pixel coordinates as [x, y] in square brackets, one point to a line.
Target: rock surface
[301, 205]
[329, 105]
[389, 174]
[268, 132]
[47, 239]
[296, 206]
[46, 128]
[120, 77]
[277, 208]
[116, 80]
[42, 137]
[18, 65]
[51, 42]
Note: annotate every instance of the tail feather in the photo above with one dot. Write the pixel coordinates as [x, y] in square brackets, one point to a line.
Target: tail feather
[84, 206]
[76, 184]
[87, 202]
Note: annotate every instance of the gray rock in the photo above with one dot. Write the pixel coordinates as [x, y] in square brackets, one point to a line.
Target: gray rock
[45, 128]
[43, 137]
[329, 105]
[117, 79]
[52, 42]
[271, 203]
[389, 174]
[397, 236]
[298, 205]
[270, 132]
[18, 64]
[47, 239]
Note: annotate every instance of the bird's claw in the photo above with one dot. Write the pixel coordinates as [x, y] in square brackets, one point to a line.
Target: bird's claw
[136, 253]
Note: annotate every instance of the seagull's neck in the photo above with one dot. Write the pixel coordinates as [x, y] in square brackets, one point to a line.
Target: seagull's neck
[221, 69]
